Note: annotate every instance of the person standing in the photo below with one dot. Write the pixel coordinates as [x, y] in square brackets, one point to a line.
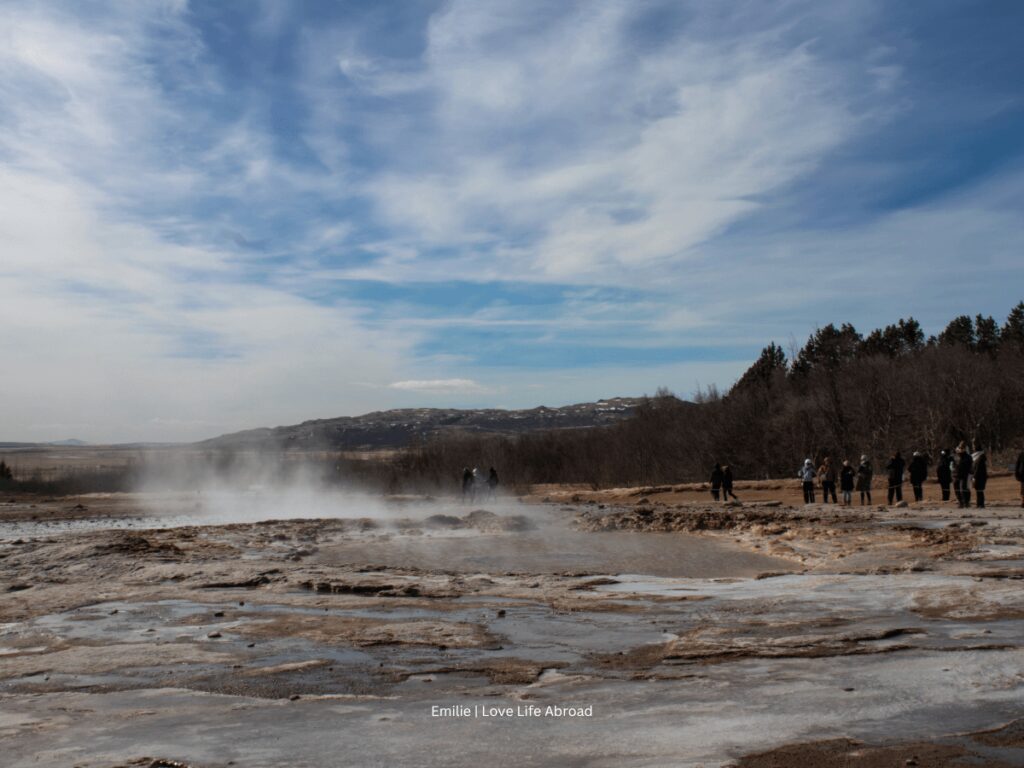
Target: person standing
[846, 475]
[918, 474]
[716, 481]
[827, 475]
[944, 473]
[727, 483]
[980, 476]
[895, 469]
[865, 474]
[492, 482]
[467, 484]
[806, 474]
[962, 475]
[1018, 472]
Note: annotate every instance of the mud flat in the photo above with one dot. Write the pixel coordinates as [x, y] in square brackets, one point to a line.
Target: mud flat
[625, 630]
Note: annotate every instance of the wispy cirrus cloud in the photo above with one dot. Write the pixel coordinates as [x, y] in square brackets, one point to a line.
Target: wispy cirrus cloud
[440, 386]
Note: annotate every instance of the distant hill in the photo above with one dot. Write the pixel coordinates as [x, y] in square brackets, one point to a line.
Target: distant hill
[398, 428]
[69, 442]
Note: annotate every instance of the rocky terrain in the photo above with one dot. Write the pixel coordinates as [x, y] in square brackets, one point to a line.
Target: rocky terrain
[627, 627]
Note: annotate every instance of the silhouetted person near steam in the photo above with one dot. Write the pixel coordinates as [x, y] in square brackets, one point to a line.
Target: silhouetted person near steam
[980, 476]
[807, 474]
[467, 484]
[727, 483]
[918, 474]
[962, 475]
[492, 482]
[865, 474]
[895, 469]
[716, 481]
[846, 476]
[944, 473]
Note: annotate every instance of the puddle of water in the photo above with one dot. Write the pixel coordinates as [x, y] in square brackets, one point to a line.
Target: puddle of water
[554, 548]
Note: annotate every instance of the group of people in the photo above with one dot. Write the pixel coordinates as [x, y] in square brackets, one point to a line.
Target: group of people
[959, 470]
[845, 477]
[721, 482]
[963, 467]
[470, 481]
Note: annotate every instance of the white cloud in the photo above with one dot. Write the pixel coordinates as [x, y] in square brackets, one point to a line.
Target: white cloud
[109, 325]
[529, 142]
[441, 386]
[590, 155]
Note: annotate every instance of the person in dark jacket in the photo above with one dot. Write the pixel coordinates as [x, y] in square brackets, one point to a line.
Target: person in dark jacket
[895, 469]
[468, 481]
[962, 475]
[980, 476]
[846, 475]
[827, 475]
[492, 482]
[944, 473]
[1018, 472]
[865, 473]
[716, 481]
[918, 474]
[727, 483]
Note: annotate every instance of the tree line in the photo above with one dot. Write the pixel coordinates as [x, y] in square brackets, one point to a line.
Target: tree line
[842, 394]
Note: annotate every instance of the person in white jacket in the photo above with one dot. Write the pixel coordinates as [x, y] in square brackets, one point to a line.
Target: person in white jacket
[808, 474]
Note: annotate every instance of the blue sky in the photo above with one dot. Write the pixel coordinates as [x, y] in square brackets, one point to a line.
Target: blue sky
[217, 215]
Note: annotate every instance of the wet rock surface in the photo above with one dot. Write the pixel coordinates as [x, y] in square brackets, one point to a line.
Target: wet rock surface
[870, 637]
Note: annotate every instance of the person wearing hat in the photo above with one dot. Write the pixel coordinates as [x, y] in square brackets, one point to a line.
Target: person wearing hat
[846, 476]
[865, 472]
[807, 474]
[944, 473]
[980, 476]
[918, 474]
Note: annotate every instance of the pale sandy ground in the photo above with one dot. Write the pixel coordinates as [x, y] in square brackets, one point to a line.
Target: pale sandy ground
[759, 635]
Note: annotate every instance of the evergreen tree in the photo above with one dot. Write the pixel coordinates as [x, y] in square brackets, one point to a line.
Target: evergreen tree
[959, 332]
[911, 336]
[829, 348]
[764, 369]
[903, 338]
[1013, 330]
[986, 334]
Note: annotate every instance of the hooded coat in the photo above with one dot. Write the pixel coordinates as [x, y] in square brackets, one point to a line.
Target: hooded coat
[846, 478]
[964, 465]
[918, 469]
[980, 470]
[864, 474]
[895, 468]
